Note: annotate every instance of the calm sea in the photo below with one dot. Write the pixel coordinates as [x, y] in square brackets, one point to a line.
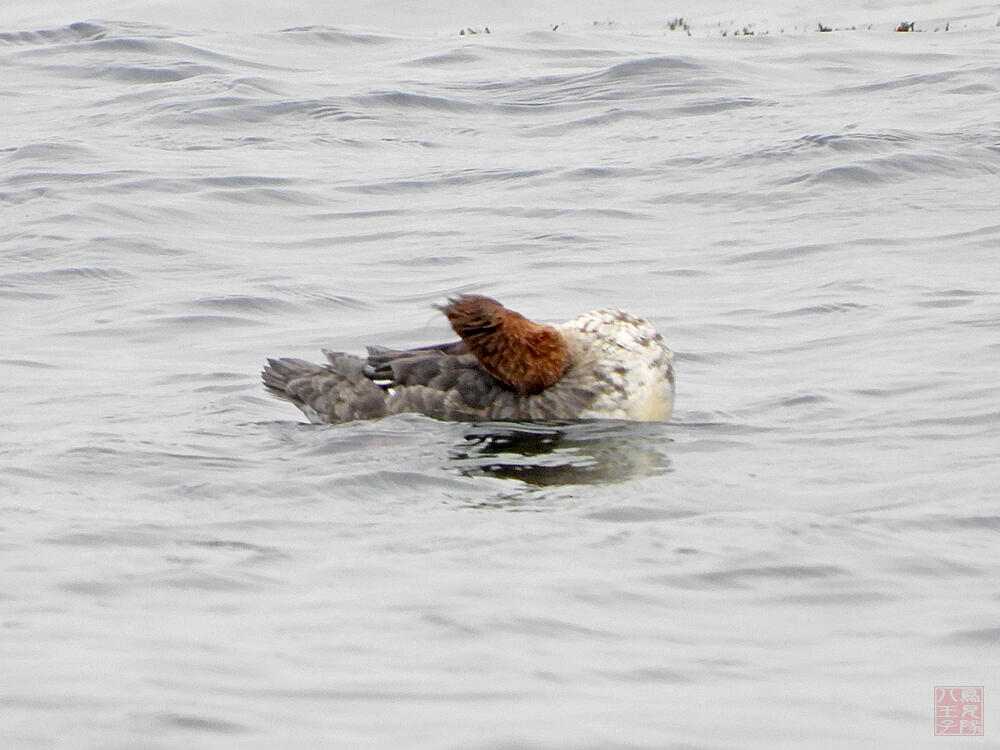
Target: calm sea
[794, 561]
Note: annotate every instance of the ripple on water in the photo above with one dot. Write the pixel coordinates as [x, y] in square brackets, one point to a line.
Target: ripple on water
[241, 303]
[318, 296]
[55, 282]
[455, 57]
[76, 32]
[978, 637]
[629, 81]
[200, 723]
[329, 35]
[50, 151]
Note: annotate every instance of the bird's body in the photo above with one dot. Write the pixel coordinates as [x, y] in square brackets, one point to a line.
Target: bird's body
[606, 364]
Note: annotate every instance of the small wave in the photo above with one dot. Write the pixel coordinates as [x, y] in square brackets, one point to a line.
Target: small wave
[977, 638]
[85, 276]
[795, 252]
[334, 36]
[823, 309]
[925, 81]
[721, 104]
[267, 197]
[122, 53]
[693, 108]
[21, 294]
[201, 724]
[556, 629]
[242, 304]
[638, 514]
[539, 212]
[224, 111]
[890, 169]
[944, 300]
[856, 142]
[196, 322]
[449, 179]
[755, 577]
[204, 581]
[456, 57]
[839, 176]
[404, 100]
[125, 536]
[34, 364]
[77, 32]
[317, 297]
[630, 81]
[49, 151]
[986, 419]
[138, 74]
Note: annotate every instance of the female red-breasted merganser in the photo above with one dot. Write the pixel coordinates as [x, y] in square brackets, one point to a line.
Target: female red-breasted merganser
[605, 364]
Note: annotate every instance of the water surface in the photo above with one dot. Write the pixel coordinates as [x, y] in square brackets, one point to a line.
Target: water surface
[794, 561]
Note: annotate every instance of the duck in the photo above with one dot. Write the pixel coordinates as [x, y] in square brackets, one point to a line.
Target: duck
[605, 364]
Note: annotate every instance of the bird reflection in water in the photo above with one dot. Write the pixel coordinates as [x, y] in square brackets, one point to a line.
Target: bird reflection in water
[553, 453]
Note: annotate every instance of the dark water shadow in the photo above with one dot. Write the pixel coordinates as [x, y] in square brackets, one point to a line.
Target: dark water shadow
[554, 454]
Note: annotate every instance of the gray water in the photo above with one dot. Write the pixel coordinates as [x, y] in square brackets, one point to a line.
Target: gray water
[795, 560]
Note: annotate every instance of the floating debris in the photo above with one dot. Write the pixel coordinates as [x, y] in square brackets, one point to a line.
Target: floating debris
[678, 23]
